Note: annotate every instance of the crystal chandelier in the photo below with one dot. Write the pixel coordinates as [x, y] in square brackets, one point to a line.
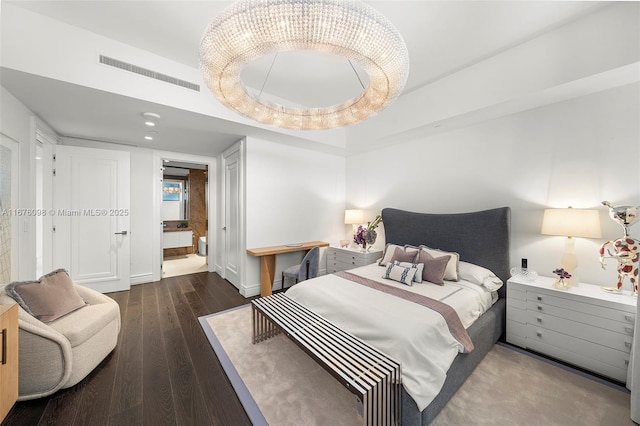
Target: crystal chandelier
[250, 29]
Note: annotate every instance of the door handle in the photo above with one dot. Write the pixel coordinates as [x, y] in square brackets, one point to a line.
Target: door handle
[121, 233]
[224, 228]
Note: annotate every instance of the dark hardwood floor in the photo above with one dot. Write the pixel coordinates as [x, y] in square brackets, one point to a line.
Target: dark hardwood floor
[163, 370]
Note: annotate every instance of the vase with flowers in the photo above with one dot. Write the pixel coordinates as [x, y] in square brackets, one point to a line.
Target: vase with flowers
[365, 236]
[562, 282]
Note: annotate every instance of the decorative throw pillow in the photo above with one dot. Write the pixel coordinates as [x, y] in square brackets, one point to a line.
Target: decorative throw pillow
[451, 273]
[419, 267]
[389, 253]
[398, 273]
[434, 267]
[478, 275]
[49, 298]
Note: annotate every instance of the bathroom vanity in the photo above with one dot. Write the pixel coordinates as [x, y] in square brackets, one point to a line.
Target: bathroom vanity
[177, 237]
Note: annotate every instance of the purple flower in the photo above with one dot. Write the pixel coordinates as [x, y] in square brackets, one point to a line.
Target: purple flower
[561, 273]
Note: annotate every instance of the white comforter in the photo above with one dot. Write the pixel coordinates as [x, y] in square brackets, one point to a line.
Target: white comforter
[411, 333]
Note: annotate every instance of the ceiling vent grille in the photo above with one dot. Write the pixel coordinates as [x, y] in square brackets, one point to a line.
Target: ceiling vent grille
[148, 73]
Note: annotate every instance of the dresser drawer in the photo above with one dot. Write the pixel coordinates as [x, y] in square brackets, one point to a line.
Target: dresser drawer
[602, 354]
[589, 333]
[589, 307]
[625, 327]
[339, 265]
[617, 372]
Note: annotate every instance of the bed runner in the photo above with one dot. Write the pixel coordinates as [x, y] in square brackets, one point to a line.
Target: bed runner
[456, 328]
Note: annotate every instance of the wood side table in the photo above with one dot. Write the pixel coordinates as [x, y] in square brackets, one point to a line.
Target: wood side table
[8, 358]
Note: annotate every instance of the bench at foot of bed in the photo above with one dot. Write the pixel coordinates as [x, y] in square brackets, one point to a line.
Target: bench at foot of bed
[372, 376]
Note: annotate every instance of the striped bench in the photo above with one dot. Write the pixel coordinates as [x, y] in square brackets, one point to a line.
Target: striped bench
[369, 374]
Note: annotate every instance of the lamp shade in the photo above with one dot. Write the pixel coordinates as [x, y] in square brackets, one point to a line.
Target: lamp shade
[353, 217]
[571, 222]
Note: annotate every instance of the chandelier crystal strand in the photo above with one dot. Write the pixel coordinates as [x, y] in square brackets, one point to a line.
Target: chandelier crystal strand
[249, 29]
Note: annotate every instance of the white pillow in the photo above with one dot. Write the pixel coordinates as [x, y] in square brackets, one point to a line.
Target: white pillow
[417, 278]
[451, 272]
[478, 275]
[400, 274]
[390, 249]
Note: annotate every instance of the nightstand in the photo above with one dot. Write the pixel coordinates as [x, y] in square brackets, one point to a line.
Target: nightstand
[340, 259]
[8, 358]
[583, 325]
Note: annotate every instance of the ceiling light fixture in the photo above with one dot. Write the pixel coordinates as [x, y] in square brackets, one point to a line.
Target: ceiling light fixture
[149, 137]
[150, 123]
[249, 29]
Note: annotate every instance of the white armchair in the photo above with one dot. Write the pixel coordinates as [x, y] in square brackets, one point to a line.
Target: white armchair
[61, 353]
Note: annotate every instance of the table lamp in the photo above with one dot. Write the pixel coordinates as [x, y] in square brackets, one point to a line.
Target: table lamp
[354, 218]
[570, 222]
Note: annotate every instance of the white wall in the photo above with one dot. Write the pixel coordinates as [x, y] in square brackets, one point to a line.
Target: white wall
[292, 195]
[18, 124]
[577, 153]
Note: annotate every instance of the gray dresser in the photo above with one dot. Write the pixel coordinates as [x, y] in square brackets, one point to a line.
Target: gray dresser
[583, 325]
[340, 259]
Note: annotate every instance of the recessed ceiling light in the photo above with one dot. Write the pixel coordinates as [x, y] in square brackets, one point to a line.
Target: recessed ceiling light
[150, 116]
[149, 138]
[150, 123]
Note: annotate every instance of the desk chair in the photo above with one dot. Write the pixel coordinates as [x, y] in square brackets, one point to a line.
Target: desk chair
[308, 268]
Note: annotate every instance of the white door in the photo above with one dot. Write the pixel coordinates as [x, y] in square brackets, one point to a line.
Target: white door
[91, 216]
[9, 212]
[232, 220]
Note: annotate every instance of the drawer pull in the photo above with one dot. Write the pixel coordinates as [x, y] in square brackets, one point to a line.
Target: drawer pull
[539, 299]
[629, 318]
[627, 344]
[3, 358]
[539, 307]
[629, 330]
[538, 333]
[539, 319]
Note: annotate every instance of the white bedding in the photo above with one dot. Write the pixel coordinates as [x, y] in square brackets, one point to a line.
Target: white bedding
[411, 333]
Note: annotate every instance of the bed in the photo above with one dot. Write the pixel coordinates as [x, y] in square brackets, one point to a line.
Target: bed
[480, 238]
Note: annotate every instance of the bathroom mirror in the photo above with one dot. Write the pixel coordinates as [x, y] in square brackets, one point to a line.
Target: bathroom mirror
[174, 199]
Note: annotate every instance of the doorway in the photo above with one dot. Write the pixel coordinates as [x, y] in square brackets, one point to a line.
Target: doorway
[184, 204]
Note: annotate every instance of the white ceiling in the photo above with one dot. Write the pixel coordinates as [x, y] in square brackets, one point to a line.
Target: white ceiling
[442, 37]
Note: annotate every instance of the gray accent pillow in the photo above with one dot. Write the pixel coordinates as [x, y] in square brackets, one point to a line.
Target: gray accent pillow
[434, 267]
[50, 297]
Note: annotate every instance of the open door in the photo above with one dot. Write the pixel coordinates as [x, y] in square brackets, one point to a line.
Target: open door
[91, 216]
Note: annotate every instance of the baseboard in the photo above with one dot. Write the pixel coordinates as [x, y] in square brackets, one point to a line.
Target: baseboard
[254, 289]
[141, 278]
[250, 290]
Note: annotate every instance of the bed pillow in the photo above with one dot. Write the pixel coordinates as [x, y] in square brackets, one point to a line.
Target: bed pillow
[50, 297]
[451, 273]
[478, 275]
[404, 255]
[399, 273]
[434, 267]
[419, 267]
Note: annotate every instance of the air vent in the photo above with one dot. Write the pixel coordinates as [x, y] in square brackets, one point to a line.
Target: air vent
[148, 73]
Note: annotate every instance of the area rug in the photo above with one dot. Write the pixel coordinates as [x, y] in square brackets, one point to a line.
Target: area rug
[279, 385]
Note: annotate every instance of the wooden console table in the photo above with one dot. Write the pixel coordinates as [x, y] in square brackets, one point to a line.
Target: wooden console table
[268, 260]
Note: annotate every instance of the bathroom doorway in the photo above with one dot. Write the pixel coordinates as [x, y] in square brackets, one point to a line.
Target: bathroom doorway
[184, 212]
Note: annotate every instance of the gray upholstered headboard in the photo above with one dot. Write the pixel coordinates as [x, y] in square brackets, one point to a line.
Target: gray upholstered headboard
[479, 237]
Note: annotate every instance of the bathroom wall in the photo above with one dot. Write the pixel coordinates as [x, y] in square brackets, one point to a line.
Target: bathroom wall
[197, 204]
